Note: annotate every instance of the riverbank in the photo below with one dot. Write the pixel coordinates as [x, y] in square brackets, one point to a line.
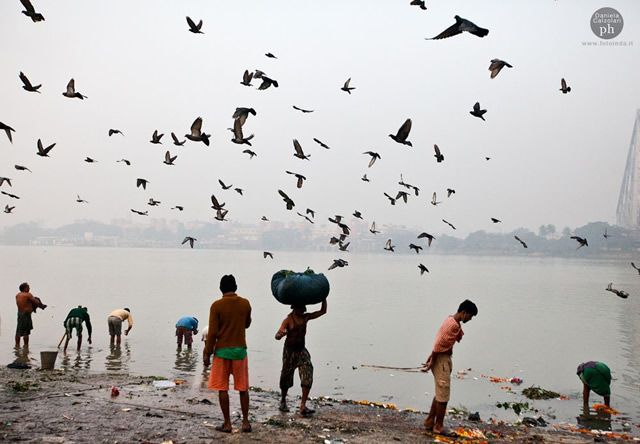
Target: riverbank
[54, 406]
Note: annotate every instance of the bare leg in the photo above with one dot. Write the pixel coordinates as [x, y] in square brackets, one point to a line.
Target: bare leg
[441, 409]
[283, 397]
[111, 341]
[118, 339]
[79, 342]
[223, 397]
[26, 340]
[305, 396]
[66, 343]
[244, 406]
[431, 417]
[585, 394]
[17, 341]
[607, 401]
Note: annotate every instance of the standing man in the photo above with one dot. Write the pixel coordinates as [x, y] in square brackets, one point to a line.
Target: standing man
[295, 355]
[439, 362]
[186, 327]
[229, 317]
[595, 376]
[27, 304]
[115, 320]
[74, 320]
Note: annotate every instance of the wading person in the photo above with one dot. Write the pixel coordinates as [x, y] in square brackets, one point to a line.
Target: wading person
[229, 317]
[74, 319]
[27, 304]
[115, 320]
[186, 327]
[295, 355]
[439, 362]
[595, 376]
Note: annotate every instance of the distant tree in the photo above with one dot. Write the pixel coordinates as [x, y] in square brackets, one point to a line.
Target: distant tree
[566, 232]
[543, 231]
[551, 230]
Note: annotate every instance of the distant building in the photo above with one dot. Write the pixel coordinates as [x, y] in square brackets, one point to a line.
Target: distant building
[628, 212]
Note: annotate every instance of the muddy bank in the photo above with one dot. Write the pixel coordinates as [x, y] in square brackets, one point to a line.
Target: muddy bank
[67, 407]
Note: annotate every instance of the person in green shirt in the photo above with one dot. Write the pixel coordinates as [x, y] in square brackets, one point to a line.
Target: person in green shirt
[595, 376]
[74, 319]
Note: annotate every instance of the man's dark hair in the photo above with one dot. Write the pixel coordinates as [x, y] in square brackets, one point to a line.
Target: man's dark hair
[468, 307]
[228, 283]
[126, 309]
[24, 286]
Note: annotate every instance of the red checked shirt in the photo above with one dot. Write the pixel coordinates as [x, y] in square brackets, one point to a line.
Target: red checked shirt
[450, 332]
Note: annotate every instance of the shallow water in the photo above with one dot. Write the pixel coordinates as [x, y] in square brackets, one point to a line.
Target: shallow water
[538, 319]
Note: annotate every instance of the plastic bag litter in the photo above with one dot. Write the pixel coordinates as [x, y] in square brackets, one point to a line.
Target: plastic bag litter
[164, 384]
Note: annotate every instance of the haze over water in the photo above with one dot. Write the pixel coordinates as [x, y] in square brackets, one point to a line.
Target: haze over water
[538, 319]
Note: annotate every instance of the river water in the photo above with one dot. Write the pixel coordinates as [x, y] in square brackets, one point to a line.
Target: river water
[538, 319]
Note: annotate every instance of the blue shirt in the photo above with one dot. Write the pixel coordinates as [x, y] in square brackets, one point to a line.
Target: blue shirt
[189, 322]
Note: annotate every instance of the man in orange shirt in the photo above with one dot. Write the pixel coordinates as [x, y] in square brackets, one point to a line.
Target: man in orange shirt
[439, 362]
[229, 317]
[27, 304]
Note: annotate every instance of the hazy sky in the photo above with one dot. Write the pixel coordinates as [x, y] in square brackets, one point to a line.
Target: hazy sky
[555, 158]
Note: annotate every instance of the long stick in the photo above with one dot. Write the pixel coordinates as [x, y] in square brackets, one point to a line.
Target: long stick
[391, 368]
[63, 336]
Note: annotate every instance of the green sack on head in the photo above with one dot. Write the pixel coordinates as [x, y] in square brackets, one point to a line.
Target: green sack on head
[307, 288]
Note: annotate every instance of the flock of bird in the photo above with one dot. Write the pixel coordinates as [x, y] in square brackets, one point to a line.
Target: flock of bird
[240, 118]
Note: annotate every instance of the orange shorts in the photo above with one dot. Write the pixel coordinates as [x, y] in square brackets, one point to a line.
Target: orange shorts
[222, 368]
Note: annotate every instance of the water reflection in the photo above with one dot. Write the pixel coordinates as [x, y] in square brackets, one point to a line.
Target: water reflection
[186, 360]
[117, 360]
[77, 360]
[599, 420]
[21, 355]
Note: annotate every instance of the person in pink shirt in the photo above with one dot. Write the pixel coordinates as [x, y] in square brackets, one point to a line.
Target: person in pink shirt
[440, 364]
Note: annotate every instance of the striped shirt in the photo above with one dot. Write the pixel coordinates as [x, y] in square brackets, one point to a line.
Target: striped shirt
[450, 332]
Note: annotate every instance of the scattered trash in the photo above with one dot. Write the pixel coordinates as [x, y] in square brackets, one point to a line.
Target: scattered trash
[164, 384]
[534, 392]
[516, 406]
[605, 409]
[474, 417]
[515, 380]
[114, 391]
[125, 410]
[534, 422]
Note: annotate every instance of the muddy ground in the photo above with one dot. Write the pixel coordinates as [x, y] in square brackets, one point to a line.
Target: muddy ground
[54, 406]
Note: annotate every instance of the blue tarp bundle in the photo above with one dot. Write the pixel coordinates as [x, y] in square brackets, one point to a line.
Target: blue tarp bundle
[306, 288]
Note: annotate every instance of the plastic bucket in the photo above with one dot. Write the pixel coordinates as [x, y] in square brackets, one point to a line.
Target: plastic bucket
[48, 359]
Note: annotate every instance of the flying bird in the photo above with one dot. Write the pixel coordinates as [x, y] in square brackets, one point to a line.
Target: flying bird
[266, 82]
[323, 145]
[433, 199]
[80, 200]
[216, 205]
[153, 203]
[450, 191]
[239, 191]
[271, 56]
[176, 142]
[415, 247]
[168, 160]
[7, 129]
[391, 199]
[423, 269]
[189, 239]
[287, 200]
[338, 263]
[155, 138]
[242, 114]
[238, 137]
[141, 213]
[21, 168]
[429, 237]
[246, 78]
[439, 157]
[346, 86]
[27, 84]
[197, 135]
[403, 133]
[71, 91]
[5, 179]
[521, 241]
[300, 178]
[90, 160]
[115, 131]
[223, 185]
[563, 86]
[357, 214]
[605, 235]
[495, 221]
[13, 196]
[388, 246]
[178, 207]
[449, 223]
[461, 25]
[264, 218]
[125, 161]
[365, 178]
[496, 65]
[477, 112]
[373, 228]
[620, 293]
[634, 266]
[266, 254]
[306, 217]
[299, 153]
[581, 241]
[44, 152]
[373, 155]
[303, 110]
[142, 182]
[250, 153]
[196, 29]
[402, 195]
[419, 3]
[31, 12]
[8, 209]
[220, 214]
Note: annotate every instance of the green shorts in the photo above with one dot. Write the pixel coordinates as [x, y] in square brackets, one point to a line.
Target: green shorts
[24, 324]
